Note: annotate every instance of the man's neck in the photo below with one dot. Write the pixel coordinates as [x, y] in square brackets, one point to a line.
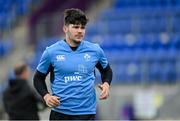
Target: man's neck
[71, 43]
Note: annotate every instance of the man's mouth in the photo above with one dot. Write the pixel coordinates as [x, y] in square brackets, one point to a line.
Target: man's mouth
[79, 36]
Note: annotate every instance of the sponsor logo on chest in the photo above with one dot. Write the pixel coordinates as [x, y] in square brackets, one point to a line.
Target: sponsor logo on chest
[72, 78]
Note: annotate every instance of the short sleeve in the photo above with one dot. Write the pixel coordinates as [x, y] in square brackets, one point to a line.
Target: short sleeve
[44, 63]
[102, 58]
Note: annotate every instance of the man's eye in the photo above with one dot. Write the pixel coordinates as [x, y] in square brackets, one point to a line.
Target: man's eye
[76, 27]
[83, 27]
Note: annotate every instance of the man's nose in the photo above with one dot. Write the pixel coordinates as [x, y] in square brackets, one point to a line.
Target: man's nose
[79, 30]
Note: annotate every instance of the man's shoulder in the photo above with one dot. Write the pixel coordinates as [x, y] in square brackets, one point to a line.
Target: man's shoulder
[55, 46]
[91, 45]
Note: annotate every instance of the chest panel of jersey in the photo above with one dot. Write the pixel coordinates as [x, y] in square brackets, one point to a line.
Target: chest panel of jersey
[74, 66]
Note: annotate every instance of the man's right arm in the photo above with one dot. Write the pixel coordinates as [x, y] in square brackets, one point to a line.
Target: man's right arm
[39, 80]
[40, 85]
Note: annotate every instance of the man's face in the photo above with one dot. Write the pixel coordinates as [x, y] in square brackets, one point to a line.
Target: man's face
[75, 32]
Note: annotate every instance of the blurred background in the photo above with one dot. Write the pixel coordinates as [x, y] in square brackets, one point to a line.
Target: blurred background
[141, 39]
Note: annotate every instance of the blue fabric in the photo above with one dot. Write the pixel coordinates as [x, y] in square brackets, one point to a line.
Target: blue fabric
[73, 75]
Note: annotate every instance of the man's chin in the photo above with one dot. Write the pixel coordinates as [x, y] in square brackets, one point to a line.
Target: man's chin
[77, 41]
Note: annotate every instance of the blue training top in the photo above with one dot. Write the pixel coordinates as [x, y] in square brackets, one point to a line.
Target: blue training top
[73, 75]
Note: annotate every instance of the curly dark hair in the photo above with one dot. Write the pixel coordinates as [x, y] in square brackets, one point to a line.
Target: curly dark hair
[75, 16]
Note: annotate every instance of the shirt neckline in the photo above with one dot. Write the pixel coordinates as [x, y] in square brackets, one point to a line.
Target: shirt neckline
[70, 48]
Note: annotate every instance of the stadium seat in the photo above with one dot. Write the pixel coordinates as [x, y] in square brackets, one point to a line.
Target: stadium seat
[6, 47]
[154, 72]
[133, 72]
[168, 73]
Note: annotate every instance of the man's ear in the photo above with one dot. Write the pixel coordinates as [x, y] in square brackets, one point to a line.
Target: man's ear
[65, 28]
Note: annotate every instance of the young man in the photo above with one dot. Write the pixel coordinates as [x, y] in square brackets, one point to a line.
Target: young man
[20, 102]
[71, 63]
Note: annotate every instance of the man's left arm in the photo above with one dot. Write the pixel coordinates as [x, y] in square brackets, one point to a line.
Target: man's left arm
[106, 73]
[106, 77]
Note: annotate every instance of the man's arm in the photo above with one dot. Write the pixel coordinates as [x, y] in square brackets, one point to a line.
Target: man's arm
[39, 83]
[106, 73]
[40, 86]
[106, 76]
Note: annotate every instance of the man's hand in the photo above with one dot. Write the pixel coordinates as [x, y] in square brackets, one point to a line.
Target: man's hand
[51, 101]
[104, 90]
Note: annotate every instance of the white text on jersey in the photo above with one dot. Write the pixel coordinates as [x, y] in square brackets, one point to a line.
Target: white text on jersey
[72, 78]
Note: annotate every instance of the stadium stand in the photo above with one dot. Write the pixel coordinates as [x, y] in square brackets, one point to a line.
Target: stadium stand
[10, 12]
[141, 38]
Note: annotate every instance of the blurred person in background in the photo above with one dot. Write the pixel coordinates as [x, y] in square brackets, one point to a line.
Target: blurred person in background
[71, 63]
[20, 101]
